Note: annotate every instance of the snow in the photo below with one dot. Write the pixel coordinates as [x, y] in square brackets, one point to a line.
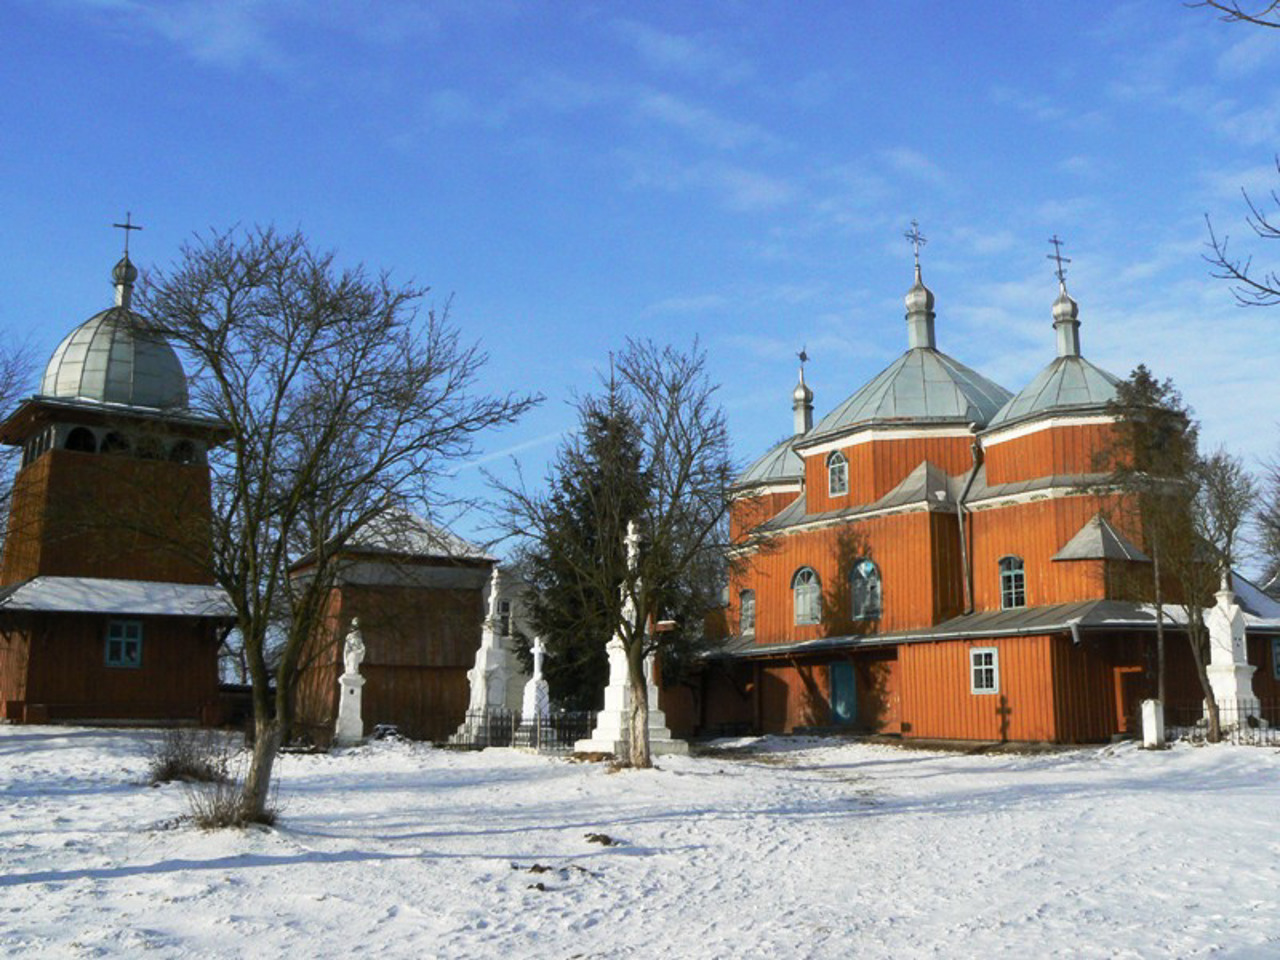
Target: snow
[101, 595]
[768, 848]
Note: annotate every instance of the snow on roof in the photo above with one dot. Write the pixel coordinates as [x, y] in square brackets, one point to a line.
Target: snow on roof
[102, 595]
[400, 532]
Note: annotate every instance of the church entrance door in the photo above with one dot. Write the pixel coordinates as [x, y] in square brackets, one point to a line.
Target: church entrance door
[844, 693]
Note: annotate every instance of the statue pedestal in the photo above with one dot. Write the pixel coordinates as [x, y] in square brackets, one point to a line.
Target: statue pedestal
[350, 727]
[1229, 670]
[612, 731]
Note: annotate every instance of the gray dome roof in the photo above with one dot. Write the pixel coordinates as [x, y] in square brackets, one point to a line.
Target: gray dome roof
[107, 360]
[780, 465]
[921, 385]
[1068, 383]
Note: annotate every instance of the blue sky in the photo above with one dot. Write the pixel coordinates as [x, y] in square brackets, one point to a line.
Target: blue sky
[574, 173]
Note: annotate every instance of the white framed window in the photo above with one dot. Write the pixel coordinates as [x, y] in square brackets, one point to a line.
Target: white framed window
[806, 592]
[984, 670]
[747, 613]
[837, 475]
[124, 644]
[1275, 657]
[865, 591]
[1013, 583]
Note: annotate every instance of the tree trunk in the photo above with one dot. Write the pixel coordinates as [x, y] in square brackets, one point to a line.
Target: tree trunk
[638, 738]
[257, 783]
[1159, 598]
[1195, 633]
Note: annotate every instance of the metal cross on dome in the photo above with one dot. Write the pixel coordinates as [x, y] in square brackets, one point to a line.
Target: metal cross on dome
[917, 239]
[126, 227]
[803, 355]
[1057, 256]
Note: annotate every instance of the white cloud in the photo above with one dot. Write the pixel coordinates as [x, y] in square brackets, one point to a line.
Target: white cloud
[678, 53]
[915, 164]
[698, 122]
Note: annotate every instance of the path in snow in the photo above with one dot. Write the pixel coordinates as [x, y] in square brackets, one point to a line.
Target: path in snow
[795, 849]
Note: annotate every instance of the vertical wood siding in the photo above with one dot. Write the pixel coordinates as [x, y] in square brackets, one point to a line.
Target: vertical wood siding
[1056, 451]
[877, 467]
[747, 513]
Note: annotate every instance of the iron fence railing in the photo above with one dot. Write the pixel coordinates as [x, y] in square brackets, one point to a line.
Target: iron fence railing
[553, 733]
[1242, 722]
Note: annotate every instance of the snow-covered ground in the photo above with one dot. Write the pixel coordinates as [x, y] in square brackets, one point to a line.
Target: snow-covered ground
[792, 848]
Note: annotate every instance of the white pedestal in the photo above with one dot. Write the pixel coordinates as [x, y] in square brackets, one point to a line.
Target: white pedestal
[1153, 724]
[612, 730]
[350, 726]
[1230, 673]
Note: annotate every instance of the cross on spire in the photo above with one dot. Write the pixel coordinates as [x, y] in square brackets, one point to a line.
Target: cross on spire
[126, 227]
[917, 240]
[803, 355]
[1061, 260]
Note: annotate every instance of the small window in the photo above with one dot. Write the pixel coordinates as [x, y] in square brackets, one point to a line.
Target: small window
[184, 451]
[1013, 583]
[864, 587]
[807, 595]
[150, 448]
[124, 643]
[747, 613]
[1275, 657]
[82, 439]
[504, 618]
[115, 443]
[837, 475]
[984, 670]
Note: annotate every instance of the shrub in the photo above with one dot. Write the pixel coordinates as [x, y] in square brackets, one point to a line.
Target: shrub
[220, 804]
[191, 756]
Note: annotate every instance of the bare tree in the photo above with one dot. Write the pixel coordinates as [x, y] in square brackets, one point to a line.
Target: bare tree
[1232, 11]
[1251, 287]
[1267, 517]
[681, 448]
[343, 401]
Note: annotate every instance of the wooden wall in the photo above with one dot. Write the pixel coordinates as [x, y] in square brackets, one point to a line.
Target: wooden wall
[876, 467]
[1052, 451]
[97, 515]
[936, 702]
[748, 512]
[1035, 531]
[68, 675]
[15, 646]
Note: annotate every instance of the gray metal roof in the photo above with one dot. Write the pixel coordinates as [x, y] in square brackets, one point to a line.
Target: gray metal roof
[1099, 540]
[1069, 383]
[779, 465]
[402, 533]
[108, 360]
[921, 385]
[927, 483]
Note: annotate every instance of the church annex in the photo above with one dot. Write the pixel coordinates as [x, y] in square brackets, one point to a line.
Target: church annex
[928, 560]
[108, 609]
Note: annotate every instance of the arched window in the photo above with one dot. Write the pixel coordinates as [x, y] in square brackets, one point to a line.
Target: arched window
[115, 443]
[747, 613]
[184, 451]
[1013, 583]
[806, 593]
[837, 475]
[82, 439]
[150, 448]
[864, 588]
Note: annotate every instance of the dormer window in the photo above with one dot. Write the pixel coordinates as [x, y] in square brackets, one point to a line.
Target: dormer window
[837, 475]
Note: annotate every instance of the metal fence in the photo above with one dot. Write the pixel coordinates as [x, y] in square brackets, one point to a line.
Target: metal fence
[554, 733]
[1254, 724]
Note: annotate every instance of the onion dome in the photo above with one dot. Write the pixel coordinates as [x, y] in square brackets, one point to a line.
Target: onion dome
[1070, 383]
[802, 405]
[108, 359]
[920, 315]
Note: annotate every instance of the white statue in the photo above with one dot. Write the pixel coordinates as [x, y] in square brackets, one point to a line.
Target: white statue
[353, 649]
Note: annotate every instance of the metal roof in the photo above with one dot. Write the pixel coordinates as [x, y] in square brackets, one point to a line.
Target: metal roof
[102, 595]
[406, 534]
[1069, 383]
[108, 360]
[921, 385]
[780, 464]
[1099, 540]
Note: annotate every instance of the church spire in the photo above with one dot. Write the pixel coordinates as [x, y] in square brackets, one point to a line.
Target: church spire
[802, 400]
[920, 315]
[1066, 311]
[125, 272]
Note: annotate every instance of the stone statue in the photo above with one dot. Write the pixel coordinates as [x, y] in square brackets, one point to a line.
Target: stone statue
[353, 649]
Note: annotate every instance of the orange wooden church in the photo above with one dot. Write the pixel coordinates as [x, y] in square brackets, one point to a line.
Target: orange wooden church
[107, 607]
[925, 561]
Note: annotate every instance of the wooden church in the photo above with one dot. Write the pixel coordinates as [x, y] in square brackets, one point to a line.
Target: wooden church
[926, 561]
[107, 607]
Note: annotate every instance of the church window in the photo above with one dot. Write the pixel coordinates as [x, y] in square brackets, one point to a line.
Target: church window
[807, 595]
[837, 475]
[184, 451]
[115, 443]
[124, 643]
[864, 587]
[747, 613]
[82, 439]
[984, 670]
[1013, 583]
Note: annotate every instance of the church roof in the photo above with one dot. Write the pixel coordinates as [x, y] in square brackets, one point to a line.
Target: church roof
[1099, 540]
[1068, 384]
[108, 360]
[402, 533]
[923, 385]
[779, 465]
[101, 595]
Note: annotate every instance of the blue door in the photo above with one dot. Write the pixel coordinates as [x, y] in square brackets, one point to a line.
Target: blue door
[844, 694]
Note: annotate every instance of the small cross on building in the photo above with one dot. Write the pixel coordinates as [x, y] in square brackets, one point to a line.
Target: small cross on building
[127, 226]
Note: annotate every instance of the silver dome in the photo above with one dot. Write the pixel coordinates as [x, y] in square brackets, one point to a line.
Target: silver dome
[107, 360]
